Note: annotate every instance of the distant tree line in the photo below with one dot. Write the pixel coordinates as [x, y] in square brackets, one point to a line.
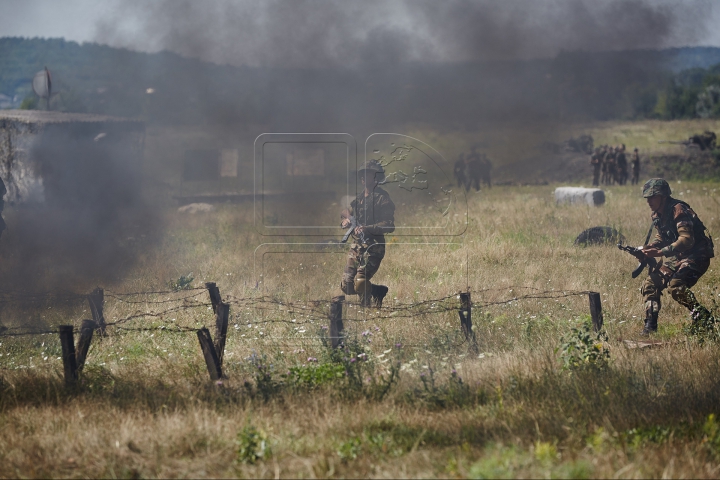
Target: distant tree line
[166, 87]
[692, 93]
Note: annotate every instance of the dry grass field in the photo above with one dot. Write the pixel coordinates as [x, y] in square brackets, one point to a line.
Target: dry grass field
[407, 397]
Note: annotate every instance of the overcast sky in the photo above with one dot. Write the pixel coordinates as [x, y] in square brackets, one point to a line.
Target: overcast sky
[326, 33]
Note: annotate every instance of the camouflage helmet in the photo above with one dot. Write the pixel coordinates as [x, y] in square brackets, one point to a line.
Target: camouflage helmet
[656, 186]
[373, 166]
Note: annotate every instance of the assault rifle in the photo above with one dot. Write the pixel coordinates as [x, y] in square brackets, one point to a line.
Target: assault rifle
[644, 260]
[353, 225]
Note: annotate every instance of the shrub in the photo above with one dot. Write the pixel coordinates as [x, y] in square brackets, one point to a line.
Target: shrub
[314, 375]
[252, 445]
[583, 348]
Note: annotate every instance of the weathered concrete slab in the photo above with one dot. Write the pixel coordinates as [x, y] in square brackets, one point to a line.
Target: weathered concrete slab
[580, 196]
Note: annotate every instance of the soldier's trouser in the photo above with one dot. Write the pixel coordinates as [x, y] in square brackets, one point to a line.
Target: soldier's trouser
[596, 175]
[678, 279]
[362, 264]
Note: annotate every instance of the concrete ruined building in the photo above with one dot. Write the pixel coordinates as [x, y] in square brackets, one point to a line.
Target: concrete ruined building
[44, 154]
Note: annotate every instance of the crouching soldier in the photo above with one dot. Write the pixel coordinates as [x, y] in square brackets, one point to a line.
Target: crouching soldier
[374, 214]
[682, 239]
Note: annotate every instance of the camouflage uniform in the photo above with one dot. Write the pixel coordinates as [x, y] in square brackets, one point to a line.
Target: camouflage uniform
[683, 240]
[376, 213]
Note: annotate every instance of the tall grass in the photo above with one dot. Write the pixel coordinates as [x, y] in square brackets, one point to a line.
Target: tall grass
[407, 397]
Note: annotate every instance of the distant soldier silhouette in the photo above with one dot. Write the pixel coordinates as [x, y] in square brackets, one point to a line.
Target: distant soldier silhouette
[474, 170]
[603, 165]
[635, 164]
[610, 167]
[621, 163]
[486, 166]
[596, 163]
[459, 170]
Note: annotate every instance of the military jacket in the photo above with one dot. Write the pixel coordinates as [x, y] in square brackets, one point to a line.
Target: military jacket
[677, 214]
[376, 213]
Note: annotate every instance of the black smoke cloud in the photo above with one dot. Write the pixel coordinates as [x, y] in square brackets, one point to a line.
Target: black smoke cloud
[322, 34]
[309, 65]
[94, 223]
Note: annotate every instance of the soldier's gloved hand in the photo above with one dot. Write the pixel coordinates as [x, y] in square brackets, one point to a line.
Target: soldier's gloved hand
[652, 252]
[359, 230]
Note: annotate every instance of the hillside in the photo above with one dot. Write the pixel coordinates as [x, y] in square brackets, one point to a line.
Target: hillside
[101, 79]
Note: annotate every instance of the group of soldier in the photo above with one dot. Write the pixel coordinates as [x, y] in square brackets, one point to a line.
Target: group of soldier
[681, 238]
[610, 165]
[472, 169]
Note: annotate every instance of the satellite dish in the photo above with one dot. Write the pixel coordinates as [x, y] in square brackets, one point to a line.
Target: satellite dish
[42, 85]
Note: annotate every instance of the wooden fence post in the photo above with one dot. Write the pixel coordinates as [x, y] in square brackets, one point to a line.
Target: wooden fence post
[336, 324]
[596, 310]
[211, 358]
[221, 325]
[68, 354]
[465, 313]
[83, 345]
[96, 300]
[214, 292]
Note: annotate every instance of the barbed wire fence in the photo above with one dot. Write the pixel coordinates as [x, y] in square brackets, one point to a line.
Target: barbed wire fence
[305, 312]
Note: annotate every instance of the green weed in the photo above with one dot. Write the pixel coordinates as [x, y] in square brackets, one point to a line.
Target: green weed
[583, 348]
[252, 445]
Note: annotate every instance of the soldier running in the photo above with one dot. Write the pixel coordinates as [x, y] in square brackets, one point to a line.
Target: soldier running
[374, 212]
[681, 237]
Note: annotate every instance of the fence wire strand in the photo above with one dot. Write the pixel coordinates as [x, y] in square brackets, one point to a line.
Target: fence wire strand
[307, 312]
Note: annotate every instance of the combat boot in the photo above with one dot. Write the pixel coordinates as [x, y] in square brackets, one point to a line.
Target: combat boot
[378, 294]
[651, 319]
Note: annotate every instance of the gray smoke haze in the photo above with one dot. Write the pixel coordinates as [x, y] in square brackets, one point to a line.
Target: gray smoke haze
[93, 223]
[313, 33]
